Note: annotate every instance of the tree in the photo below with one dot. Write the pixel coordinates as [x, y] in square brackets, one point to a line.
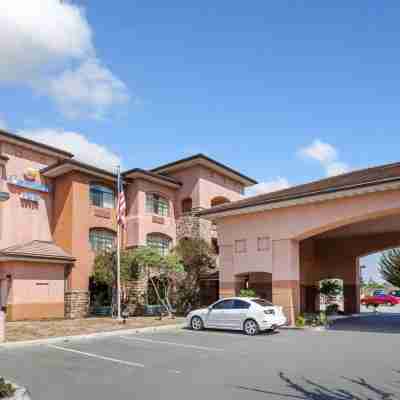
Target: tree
[331, 287]
[198, 258]
[165, 268]
[105, 272]
[389, 266]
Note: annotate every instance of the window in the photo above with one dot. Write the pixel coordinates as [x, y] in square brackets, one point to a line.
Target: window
[241, 305]
[102, 240]
[187, 205]
[155, 204]
[263, 243]
[241, 246]
[224, 305]
[101, 196]
[160, 242]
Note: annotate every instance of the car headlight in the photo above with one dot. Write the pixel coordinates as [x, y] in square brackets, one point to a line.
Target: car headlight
[269, 312]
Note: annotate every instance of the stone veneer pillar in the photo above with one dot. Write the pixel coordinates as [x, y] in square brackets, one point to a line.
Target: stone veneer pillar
[76, 303]
[192, 226]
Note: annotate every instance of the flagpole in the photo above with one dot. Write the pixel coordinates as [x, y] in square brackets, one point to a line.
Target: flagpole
[118, 250]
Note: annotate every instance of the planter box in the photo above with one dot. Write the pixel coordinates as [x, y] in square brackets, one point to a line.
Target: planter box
[101, 311]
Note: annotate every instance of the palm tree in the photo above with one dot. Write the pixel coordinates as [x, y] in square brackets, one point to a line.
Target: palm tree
[389, 266]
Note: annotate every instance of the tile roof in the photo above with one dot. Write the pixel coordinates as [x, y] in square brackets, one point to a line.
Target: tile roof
[351, 180]
[164, 168]
[37, 249]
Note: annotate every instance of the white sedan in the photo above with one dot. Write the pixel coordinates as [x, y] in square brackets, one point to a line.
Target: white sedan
[251, 315]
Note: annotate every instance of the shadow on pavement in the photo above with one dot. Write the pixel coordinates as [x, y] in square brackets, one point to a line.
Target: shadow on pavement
[379, 322]
[309, 389]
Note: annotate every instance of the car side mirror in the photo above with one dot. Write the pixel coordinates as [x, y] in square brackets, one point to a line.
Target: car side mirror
[209, 308]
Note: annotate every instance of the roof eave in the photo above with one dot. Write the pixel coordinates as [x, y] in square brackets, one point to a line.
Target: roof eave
[40, 147]
[387, 184]
[209, 162]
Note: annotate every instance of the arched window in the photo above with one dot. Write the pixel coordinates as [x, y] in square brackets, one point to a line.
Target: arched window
[187, 205]
[102, 239]
[156, 204]
[160, 242]
[217, 201]
[101, 196]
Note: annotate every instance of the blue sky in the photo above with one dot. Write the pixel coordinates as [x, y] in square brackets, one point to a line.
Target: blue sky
[286, 91]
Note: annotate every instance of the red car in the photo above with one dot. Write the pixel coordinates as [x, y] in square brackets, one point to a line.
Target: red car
[381, 299]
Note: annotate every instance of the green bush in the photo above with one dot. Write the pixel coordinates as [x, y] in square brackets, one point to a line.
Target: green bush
[247, 293]
[300, 321]
[332, 309]
[6, 389]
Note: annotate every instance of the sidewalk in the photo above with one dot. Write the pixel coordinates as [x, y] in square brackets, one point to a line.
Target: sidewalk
[34, 330]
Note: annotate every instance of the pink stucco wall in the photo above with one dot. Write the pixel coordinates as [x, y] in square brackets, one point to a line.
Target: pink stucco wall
[139, 222]
[202, 184]
[23, 221]
[34, 282]
[294, 224]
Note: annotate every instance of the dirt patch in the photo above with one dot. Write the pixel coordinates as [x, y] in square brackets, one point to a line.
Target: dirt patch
[31, 330]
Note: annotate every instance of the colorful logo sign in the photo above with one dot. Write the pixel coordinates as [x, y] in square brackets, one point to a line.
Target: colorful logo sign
[31, 174]
[13, 180]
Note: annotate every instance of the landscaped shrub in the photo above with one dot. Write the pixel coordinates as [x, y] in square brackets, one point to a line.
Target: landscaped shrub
[247, 293]
[332, 309]
[300, 321]
[6, 389]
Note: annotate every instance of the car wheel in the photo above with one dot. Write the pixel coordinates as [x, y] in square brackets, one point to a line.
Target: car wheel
[388, 304]
[196, 323]
[250, 327]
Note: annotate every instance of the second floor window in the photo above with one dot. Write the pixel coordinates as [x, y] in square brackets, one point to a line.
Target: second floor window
[161, 243]
[101, 196]
[102, 240]
[156, 204]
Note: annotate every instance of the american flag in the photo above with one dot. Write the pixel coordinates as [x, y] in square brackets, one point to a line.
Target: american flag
[121, 207]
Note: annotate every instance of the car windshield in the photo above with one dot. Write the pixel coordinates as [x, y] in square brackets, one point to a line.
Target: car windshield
[262, 302]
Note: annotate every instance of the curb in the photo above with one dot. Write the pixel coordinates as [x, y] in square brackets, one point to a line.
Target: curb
[117, 332]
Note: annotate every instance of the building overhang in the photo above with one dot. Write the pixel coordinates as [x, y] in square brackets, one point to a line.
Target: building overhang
[66, 166]
[355, 190]
[201, 159]
[35, 260]
[138, 173]
[34, 145]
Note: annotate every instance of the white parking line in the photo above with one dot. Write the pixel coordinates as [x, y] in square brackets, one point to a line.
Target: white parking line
[82, 353]
[189, 346]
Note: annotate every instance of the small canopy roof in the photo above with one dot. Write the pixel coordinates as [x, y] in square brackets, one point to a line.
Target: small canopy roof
[36, 250]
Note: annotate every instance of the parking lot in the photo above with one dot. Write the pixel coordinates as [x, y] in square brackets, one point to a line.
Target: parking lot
[181, 364]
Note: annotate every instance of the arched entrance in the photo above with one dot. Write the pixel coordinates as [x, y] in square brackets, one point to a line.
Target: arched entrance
[259, 282]
[336, 253]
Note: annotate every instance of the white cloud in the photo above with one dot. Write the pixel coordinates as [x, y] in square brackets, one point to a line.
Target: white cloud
[90, 86]
[77, 144]
[3, 124]
[326, 155]
[270, 186]
[45, 44]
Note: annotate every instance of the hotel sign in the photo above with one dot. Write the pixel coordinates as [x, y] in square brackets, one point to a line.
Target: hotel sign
[32, 185]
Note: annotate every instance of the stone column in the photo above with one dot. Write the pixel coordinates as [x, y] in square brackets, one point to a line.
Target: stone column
[286, 277]
[76, 304]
